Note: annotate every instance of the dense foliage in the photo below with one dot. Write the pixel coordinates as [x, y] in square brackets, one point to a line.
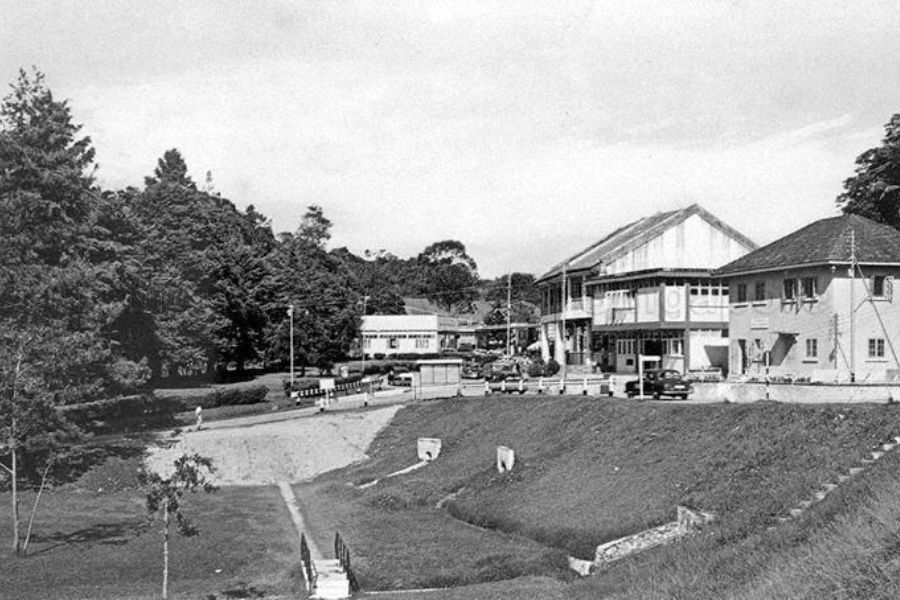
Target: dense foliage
[874, 191]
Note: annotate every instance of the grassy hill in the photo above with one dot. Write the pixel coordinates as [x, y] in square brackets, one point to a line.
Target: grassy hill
[588, 471]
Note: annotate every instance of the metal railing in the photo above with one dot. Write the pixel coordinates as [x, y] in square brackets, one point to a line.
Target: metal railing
[342, 553]
[309, 569]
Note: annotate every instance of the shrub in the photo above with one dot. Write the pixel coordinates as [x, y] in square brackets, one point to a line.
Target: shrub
[235, 396]
[300, 385]
[378, 356]
[551, 368]
[536, 368]
[104, 415]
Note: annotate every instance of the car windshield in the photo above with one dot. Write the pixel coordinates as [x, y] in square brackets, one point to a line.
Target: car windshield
[670, 375]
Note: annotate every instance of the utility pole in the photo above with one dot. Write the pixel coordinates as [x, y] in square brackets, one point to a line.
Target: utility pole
[291, 315]
[565, 309]
[852, 305]
[508, 310]
[362, 338]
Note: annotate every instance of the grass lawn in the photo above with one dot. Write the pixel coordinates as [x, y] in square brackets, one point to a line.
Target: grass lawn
[587, 471]
[92, 540]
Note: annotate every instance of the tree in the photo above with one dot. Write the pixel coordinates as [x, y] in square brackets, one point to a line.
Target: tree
[165, 495]
[450, 274]
[315, 228]
[32, 431]
[53, 283]
[323, 290]
[874, 192]
[204, 264]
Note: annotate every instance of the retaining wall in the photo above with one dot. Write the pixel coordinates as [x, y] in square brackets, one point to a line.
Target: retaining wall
[796, 392]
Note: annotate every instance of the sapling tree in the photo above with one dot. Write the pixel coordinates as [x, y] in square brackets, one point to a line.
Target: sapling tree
[165, 493]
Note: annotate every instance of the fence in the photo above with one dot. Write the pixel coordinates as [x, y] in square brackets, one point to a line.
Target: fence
[309, 570]
[587, 386]
[342, 553]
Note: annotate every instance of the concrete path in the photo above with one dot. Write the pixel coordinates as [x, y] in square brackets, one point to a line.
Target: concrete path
[290, 500]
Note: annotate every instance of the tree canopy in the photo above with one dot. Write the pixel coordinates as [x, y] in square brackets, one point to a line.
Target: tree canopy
[874, 192]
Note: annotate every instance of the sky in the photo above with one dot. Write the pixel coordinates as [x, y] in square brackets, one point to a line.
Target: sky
[526, 130]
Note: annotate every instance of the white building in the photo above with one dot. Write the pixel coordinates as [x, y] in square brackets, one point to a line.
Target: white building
[646, 288]
[407, 334]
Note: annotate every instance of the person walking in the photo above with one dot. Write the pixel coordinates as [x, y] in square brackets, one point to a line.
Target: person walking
[198, 412]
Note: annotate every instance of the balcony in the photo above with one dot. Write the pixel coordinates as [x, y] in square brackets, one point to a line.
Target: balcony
[577, 308]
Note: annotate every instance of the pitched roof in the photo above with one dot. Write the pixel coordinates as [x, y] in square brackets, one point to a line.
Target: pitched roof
[637, 233]
[424, 306]
[822, 242]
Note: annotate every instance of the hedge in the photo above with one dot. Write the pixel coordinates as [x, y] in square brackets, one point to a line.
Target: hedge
[151, 407]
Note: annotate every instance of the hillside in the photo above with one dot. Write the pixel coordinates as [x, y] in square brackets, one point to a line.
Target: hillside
[588, 471]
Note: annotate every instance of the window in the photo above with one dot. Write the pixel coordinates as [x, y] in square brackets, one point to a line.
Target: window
[741, 292]
[625, 346]
[876, 347]
[808, 288]
[392, 342]
[367, 342]
[575, 287]
[760, 294]
[882, 287]
[422, 342]
[812, 348]
[790, 290]
[673, 346]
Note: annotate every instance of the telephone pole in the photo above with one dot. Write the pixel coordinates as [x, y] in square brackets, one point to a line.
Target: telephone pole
[852, 306]
[508, 310]
[291, 315]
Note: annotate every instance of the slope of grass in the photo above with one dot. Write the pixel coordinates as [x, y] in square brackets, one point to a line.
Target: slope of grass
[92, 540]
[586, 471]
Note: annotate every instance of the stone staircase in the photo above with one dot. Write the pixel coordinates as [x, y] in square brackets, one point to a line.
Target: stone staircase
[827, 488]
[331, 582]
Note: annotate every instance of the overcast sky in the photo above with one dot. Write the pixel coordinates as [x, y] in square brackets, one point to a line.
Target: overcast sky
[525, 130]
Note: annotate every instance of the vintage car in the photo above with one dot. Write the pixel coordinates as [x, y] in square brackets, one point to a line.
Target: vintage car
[658, 383]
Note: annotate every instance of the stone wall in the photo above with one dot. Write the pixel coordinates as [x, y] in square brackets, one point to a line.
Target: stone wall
[787, 392]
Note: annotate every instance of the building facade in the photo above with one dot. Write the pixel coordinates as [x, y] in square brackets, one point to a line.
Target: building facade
[407, 334]
[647, 288]
[800, 309]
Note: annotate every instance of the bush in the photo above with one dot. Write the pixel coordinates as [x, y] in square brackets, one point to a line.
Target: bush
[234, 396]
[536, 368]
[124, 412]
[378, 356]
[551, 368]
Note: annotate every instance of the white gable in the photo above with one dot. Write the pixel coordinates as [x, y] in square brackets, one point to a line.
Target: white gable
[694, 243]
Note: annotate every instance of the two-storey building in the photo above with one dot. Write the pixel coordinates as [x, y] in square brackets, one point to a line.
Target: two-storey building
[646, 288]
[800, 308]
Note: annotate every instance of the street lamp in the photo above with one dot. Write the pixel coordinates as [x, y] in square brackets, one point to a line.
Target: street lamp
[291, 315]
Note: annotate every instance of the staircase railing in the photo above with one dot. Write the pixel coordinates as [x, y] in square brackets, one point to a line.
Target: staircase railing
[342, 553]
[309, 569]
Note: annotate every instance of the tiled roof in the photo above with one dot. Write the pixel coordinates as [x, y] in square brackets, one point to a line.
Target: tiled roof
[824, 241]
[635, 234]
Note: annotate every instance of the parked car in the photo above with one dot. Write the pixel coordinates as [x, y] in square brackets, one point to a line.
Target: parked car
[400, 376]
[658, 383]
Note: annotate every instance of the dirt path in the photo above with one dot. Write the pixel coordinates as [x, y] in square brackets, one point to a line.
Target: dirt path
[291, 451]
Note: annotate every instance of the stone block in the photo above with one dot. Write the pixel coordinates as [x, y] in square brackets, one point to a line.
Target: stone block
[506, 458]
[428, 448]
[692, 520]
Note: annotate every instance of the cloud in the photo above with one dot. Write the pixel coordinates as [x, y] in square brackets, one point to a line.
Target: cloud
[525, 129]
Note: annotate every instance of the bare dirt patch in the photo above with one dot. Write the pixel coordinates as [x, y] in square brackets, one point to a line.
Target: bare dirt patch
[293, 450]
